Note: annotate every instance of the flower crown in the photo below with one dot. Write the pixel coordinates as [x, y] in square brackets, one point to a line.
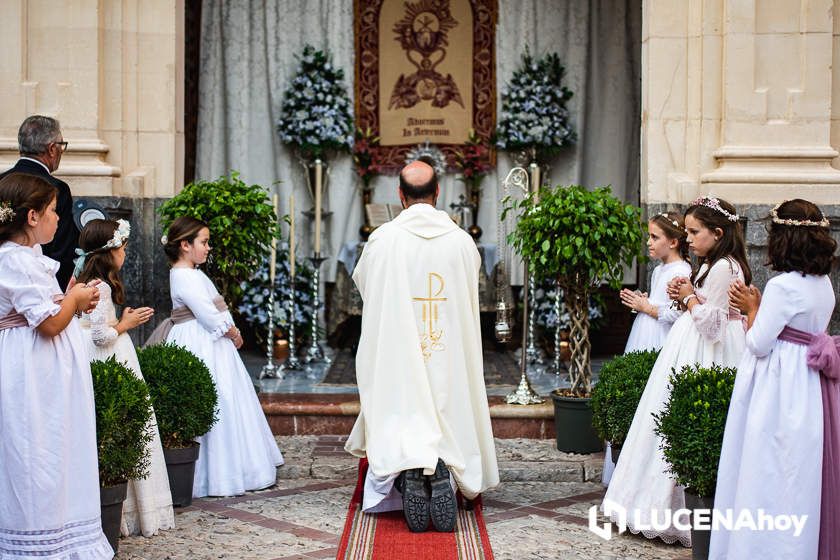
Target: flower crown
[714, 204]
[774, 216]
[6, 212]
[117, 240]
[674, 223]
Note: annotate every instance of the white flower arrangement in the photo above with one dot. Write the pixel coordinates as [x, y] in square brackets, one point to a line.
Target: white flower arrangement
[534, 113]
[6, 212]
[255, 291]
[317, 114]
[120, 235]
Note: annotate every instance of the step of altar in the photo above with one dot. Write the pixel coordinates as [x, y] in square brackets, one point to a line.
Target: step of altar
[335, 413]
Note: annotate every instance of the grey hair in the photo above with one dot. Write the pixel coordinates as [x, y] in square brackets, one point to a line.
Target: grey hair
[36, 133]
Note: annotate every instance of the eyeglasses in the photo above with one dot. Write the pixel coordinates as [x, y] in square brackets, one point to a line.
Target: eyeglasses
[62, 145]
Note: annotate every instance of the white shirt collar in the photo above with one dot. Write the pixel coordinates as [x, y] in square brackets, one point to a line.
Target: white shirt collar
[41, 163]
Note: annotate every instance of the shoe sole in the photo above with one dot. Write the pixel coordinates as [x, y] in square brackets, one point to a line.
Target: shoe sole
[415, 501]
[442, 504]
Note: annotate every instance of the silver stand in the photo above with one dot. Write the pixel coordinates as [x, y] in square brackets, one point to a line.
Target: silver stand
[315, 353]
[270, 369]
[535, 355]
[292, 362]
[524, 393]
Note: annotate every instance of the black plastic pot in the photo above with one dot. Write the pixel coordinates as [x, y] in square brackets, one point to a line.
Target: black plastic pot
[111, 500]
[573, 425]
[699, 538]
[180, 465]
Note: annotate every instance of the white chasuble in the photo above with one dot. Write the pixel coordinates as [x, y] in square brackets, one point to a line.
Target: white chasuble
[419, 364]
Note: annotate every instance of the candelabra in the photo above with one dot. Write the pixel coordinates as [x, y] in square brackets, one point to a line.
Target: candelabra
[315, 353]
[270, 369]
[558, 344]
[292, 363]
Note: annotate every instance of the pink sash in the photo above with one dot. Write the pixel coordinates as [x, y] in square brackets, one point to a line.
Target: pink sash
[824, 356]
[15, 319]
[179, 315]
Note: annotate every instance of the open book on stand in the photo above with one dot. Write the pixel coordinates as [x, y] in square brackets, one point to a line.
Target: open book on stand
[378, 214]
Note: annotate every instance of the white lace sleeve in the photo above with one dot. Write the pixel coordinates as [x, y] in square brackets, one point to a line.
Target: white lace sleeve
[101, 331]
[712, 314]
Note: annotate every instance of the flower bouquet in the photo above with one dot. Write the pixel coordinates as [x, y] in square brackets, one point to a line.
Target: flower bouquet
[535, 119]
[317, 114]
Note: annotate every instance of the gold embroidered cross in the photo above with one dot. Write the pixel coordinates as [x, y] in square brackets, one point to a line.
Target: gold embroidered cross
[430, 340]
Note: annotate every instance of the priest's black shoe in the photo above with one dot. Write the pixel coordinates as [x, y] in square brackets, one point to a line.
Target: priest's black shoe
[415, 499]
[442, 502]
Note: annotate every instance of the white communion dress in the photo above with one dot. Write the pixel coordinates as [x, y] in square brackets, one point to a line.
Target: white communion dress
[49, 475]
[148, 503]
[772, 452]
[649, 333]
[239, 453]
[712, 333]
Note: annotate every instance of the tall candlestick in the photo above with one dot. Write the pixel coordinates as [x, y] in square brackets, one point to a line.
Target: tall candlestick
[318, 171]
[535, 177]
[292, 236]
[272, 264]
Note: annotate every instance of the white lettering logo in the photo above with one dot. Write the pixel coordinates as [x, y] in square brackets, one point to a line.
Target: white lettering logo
[698, 519]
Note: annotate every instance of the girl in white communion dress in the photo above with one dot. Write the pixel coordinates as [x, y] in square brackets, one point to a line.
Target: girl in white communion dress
[148, 504]
[239, 453]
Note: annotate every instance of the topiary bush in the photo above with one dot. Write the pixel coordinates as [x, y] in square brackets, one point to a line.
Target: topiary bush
[123, 411]
[241, 221]
[617, 394]
[183, 393]
[691, 425]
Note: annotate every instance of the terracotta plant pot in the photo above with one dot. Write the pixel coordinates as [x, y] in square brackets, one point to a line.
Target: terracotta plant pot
[281, 350]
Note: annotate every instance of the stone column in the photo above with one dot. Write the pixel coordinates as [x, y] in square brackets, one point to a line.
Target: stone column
[737, 101]
[112, 73]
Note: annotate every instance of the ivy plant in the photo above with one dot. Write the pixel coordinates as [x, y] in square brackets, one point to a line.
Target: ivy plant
[691, 425]
[579, 238]
[242, 224]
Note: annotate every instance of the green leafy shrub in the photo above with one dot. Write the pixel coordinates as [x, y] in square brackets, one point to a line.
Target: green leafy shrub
[617, 394]
[183, 393]
[123, 411]
[580, 238]
[691, 425]
[241, 222]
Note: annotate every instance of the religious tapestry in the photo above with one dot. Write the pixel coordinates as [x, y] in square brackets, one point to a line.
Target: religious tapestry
[425, 72]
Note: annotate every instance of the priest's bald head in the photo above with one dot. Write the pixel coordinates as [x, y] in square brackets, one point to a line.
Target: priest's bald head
[418, 183]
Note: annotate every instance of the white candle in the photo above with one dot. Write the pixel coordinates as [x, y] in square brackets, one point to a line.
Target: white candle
[272, 264]
[318, 171]
[535, 177]
[292, 235]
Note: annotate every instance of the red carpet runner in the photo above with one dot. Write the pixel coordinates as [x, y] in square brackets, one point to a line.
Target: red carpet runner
[384, 536]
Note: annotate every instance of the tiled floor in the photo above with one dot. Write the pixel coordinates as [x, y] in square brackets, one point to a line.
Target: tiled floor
[538, 513]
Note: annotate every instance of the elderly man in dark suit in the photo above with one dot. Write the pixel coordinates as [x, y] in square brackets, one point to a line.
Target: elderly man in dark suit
[41, 145]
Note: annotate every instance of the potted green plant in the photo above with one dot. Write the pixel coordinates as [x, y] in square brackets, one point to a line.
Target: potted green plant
[691, 427]
[580, 239]
[242, 224]
[184, 398]
[616, 396]
[123, 411]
